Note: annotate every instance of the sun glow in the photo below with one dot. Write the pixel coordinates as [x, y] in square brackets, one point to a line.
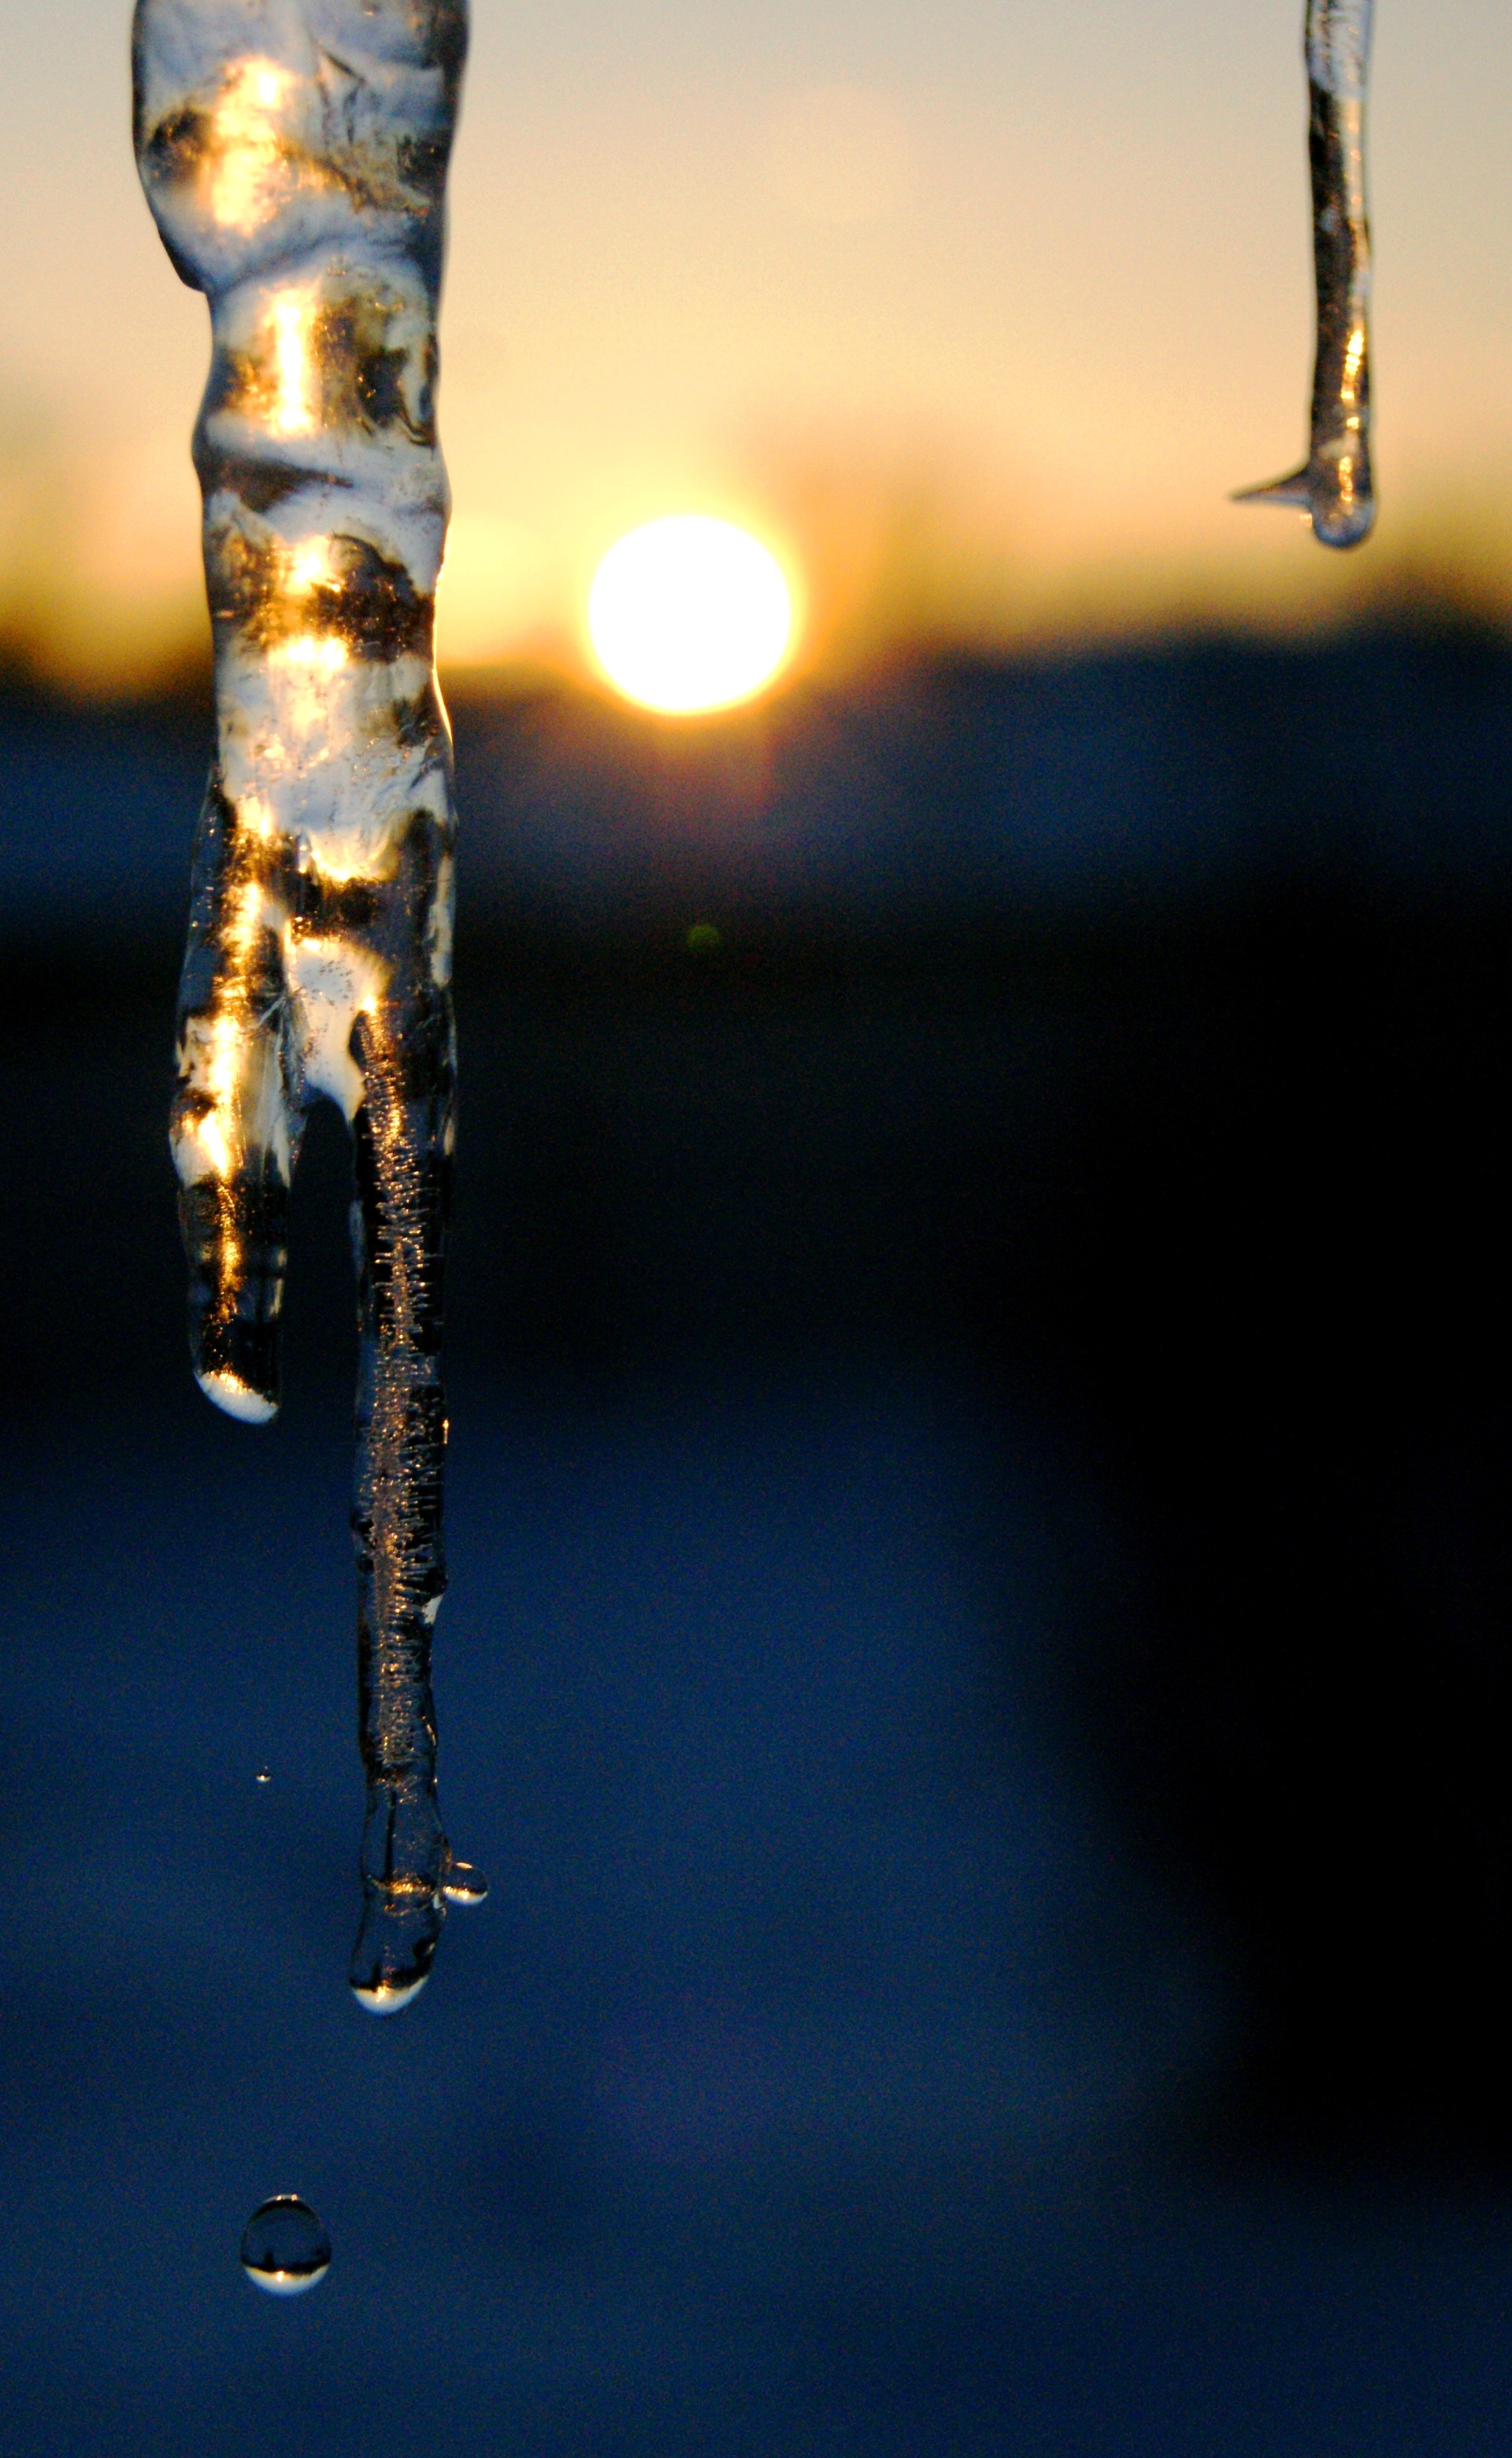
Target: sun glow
[689, 613]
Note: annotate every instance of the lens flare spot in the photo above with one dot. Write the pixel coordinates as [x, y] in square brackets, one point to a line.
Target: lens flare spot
[689, 613]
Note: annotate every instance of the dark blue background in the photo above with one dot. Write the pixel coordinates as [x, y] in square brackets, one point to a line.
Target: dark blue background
[975, 1660]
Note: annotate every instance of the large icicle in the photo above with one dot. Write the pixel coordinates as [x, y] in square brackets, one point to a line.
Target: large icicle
[1334, 484]
[294, 153]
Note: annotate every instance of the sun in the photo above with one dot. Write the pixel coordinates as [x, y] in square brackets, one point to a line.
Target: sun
[689, 613]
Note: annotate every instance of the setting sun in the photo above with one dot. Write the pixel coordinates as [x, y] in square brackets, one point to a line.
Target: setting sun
[689, 613]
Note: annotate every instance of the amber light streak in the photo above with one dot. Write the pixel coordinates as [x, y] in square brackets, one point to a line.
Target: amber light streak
[236, 1074]
[231, 1065]
[249, 147]
[293, 406]
[1351, 358]
[220, 1135]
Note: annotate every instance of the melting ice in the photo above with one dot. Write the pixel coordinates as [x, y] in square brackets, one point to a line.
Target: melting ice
[1334, 484]
[294, 160]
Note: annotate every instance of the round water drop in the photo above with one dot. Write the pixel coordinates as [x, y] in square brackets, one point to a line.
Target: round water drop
[464, 1884]
[264, 1775]
[285, 2249]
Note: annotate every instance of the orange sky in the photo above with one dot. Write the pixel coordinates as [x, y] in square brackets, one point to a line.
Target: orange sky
[978, 313]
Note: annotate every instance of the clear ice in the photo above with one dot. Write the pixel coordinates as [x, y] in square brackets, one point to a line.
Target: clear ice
[294, 153]
[1334, 484]
[285, 2249]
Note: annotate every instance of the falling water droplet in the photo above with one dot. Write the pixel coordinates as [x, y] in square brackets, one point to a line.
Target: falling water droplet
[466, 1884]
[285, 2249]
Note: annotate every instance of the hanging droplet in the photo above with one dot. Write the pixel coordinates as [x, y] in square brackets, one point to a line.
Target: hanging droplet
[466, 1884]
[264, 1775]
[285, 2249]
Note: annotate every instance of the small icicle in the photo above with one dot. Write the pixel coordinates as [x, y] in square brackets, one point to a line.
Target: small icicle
[1333, 486]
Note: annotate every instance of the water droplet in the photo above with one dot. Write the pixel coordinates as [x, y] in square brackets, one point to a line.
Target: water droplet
[464, 1884]
[285, 2249]
[263, 1776]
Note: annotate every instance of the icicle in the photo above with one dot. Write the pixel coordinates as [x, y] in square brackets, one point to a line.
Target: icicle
[1334, 484]
[294, 153]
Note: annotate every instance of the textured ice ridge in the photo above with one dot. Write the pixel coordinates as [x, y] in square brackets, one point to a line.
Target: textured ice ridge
[294, 153]
[1334, 484]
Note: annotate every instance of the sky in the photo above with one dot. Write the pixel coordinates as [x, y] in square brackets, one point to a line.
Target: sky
[977, 314]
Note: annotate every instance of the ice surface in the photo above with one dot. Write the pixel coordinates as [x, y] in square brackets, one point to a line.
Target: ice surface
[1334, 484]
[295, 156]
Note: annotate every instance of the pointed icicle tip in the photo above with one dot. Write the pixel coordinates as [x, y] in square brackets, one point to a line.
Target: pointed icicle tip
[1295, 492]
[1341, 515]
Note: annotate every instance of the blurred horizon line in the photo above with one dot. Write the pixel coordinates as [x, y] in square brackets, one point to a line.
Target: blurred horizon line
[1409, 599]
